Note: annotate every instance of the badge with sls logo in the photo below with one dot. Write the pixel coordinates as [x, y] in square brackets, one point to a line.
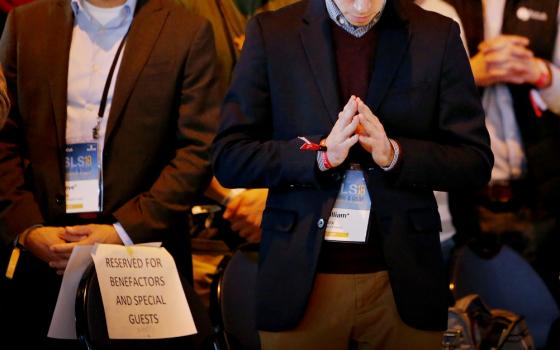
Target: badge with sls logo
[349, 217]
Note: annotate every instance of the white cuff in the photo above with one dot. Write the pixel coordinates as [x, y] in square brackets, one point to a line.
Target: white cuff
[396, 152]
[125, 238]
[320, 162]
[551, 94]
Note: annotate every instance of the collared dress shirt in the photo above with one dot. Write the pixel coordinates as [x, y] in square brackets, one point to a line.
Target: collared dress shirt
[358, 31]
[96, 36]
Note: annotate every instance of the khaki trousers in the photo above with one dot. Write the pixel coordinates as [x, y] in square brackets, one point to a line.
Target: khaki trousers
[351, 312]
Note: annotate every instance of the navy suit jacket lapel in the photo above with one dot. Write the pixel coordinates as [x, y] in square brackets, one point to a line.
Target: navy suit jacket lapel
[317, 42]
[393, 40]
[391, 48]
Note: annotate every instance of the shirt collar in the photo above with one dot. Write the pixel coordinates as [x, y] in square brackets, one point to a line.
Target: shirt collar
[127, 11]
[357, 31]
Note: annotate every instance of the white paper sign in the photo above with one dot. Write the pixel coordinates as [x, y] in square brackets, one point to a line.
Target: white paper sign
[142, 293]
[63, 322]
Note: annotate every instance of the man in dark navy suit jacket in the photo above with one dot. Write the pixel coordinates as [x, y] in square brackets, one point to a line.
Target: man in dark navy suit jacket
[328, 99]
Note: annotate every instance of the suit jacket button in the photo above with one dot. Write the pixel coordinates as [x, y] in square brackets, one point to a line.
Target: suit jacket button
[59, 199]
[320, 223]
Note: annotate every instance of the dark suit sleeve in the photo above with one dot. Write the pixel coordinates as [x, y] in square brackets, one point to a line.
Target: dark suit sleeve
[186, 176]
[459, 154]
[245, 153]
[18, 207]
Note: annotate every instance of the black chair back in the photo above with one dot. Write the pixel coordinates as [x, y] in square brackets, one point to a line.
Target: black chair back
[233, 299]
[91, 327]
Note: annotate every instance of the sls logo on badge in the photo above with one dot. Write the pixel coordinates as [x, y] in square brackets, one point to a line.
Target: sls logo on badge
[353, 192]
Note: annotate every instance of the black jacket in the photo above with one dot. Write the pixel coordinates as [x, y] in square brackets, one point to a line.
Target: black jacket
[285, 86]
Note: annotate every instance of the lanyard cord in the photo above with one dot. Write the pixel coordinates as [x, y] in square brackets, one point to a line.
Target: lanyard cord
[103, 103]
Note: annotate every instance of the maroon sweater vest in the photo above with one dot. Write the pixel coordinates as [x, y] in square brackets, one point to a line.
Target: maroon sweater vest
[354, 61]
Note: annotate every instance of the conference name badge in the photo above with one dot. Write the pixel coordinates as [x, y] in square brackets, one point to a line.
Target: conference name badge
[83, 178]
[349, 217]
